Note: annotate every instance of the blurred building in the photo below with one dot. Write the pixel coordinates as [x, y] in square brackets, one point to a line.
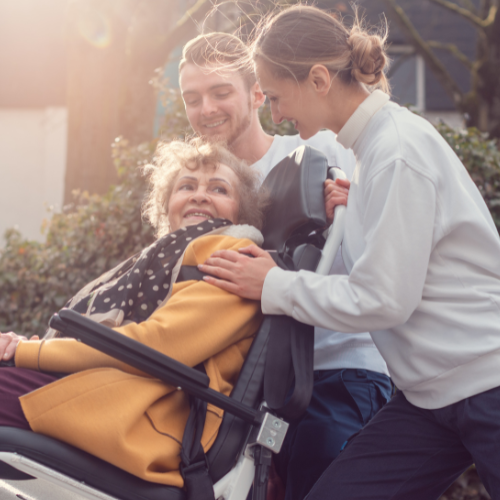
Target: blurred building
[33, 112]
[412, 82]
[33, 115]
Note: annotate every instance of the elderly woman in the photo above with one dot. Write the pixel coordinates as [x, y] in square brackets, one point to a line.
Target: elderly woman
[100, 404]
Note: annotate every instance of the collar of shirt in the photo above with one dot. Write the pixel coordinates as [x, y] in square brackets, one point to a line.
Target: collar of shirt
[360, 118]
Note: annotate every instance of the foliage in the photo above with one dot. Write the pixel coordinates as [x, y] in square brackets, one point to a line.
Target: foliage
[284, 128]
[467, 487]
[481, 157]
[90, 236]
[86, 239]
[96, 232]
[175, 123]
[481, 103]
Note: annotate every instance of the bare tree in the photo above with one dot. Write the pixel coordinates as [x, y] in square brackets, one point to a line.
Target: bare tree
[482, 103]
[114, 46]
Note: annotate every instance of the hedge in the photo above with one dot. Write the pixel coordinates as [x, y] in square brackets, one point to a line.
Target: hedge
[96, 232]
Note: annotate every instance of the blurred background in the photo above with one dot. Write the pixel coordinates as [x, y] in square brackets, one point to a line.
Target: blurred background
[76, 74]
[88, 86]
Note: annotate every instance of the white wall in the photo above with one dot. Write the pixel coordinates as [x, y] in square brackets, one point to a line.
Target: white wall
[32, 167]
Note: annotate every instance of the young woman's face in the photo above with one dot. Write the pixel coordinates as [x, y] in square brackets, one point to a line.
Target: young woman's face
[202, 194]
[290, 100]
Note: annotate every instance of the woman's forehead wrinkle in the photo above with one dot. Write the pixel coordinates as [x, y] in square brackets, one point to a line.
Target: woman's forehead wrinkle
[219, 179]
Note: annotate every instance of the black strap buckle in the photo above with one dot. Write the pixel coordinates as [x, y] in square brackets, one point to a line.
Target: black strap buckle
[193, 468]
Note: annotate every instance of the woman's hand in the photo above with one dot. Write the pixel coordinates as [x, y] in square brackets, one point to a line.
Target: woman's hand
[336, 193]
[239, 274]
[8, 344]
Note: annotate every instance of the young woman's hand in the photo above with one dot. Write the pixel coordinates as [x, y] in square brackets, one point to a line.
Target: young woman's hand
[336, 193]
[239, 274]
[8, 344]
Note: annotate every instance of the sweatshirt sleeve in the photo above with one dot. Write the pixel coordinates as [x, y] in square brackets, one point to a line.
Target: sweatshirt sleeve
[198, 321]
[386, 282]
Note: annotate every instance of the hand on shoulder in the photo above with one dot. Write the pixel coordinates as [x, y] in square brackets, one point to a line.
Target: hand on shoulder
[237, 272]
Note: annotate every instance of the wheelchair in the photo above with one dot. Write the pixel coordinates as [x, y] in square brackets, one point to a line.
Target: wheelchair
[34, 466]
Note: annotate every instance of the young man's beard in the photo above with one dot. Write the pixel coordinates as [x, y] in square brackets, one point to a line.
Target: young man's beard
[242, 126]
[240, 129]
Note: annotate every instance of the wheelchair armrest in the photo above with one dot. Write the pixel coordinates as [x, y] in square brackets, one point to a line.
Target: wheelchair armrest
[146, 359]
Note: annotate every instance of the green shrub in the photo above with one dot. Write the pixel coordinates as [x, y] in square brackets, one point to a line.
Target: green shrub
[284, 128]
[481, 158]
[82, 242]
[89, 237]
[97, 232]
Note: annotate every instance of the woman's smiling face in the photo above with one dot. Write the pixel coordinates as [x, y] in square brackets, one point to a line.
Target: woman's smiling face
[205, 193]
[290, 100]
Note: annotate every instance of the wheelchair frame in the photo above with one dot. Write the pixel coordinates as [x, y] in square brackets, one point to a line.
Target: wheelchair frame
[267, 430]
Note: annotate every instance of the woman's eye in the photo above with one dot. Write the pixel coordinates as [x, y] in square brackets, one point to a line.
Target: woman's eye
[193, 102]
[220, 190]
[185, 187]
[273, 99]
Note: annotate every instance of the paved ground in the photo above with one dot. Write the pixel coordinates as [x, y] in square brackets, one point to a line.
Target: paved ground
[467, 487]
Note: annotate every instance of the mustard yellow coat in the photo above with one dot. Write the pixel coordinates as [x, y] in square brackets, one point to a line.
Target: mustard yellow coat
[111, 410]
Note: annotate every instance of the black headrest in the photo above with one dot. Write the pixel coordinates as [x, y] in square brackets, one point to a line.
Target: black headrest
[297, 206]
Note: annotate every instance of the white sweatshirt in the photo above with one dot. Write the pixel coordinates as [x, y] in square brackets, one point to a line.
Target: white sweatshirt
[332, 350]
[424, 260]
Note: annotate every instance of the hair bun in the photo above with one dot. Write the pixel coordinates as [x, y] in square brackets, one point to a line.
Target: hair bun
[367, 56]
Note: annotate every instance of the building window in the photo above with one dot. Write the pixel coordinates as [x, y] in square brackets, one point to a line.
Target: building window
[407, 77]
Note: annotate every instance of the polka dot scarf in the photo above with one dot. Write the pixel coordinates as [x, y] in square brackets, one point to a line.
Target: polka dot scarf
[134, 289]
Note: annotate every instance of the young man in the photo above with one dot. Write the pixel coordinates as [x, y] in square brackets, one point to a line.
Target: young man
[222, 98]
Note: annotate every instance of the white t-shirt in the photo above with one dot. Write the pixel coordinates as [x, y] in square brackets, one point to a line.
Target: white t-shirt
[332, 350]
[325, 141]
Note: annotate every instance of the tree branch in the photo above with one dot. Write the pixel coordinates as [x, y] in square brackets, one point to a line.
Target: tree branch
[422, 48]
[186, 26]
[492, 14]
[469, 15]
[470, 5]
[454, 50]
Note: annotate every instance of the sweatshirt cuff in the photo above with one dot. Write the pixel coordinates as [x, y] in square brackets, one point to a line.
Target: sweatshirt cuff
[27, 354]
[275, 293]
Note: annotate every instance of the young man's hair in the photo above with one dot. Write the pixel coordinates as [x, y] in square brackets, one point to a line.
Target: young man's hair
[219, 50]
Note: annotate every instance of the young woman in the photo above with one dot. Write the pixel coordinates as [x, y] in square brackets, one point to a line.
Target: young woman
[424, 261]
[107, 408]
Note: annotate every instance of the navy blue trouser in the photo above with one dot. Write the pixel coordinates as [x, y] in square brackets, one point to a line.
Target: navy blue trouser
[408, 453]
[342, 402]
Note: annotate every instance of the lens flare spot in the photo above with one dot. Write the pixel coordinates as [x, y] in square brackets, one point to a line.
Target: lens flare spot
[95, 28]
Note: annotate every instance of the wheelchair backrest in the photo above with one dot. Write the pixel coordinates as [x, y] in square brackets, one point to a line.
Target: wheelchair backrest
[295, 188]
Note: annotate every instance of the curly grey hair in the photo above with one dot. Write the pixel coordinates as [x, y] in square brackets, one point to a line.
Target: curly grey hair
[197, 153]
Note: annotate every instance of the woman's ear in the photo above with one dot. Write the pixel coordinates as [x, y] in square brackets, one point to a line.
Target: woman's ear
[320, 79]
[258, 98]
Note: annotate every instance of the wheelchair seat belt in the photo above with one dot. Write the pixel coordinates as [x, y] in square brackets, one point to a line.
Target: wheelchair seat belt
[188, 273]
[194, 467]
[194, 464]
[290, 351]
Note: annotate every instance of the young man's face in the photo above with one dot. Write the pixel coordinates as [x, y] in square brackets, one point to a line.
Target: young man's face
[218, 105]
